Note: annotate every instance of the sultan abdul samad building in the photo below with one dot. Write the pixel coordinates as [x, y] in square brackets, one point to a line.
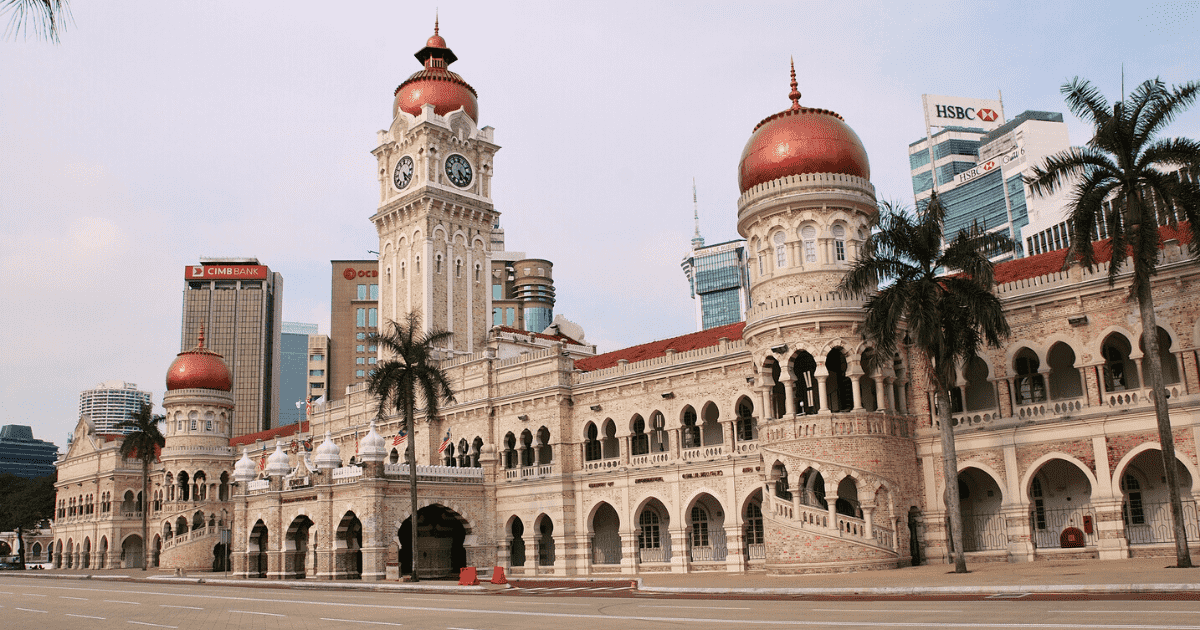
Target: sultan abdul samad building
[762, 446]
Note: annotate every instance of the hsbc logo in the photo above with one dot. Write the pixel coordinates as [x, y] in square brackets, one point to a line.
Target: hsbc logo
[987, 115]
[955, 112]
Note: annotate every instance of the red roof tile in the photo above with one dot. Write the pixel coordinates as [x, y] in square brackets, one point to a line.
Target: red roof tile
[270, 434]
[558, 337]
[654, 349]
[1051, 262]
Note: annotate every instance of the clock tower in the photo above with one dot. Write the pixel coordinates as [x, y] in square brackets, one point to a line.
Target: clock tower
[435, 214]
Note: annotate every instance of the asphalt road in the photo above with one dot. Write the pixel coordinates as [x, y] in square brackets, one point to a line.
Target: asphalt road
[39, 604]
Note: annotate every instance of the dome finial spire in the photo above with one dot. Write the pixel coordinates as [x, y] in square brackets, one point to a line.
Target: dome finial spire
[200, 340]
[435, 21]
[795, 93]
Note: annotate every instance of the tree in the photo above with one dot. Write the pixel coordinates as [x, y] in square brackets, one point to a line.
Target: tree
[410, 372]
[46, 16]
[25, 504]
[1126, 163]
[947, 317]
[142, 442]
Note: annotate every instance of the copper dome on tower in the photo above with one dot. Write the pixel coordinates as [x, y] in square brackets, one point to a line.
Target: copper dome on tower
[199, 368]
[436, 84]
[801, 140]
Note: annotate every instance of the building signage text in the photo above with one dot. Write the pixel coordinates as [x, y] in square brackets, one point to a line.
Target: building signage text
[942, 111]
[350, 273]
[225, 272]
[984, 168]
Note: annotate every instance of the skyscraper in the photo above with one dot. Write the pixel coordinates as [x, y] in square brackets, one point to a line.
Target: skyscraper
[980, 175]
[239, 303]
[354, 317]
[24, 456]
[293, 370]
[111, 402]
[718, 278]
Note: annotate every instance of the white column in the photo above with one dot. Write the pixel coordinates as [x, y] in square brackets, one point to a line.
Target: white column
[471, 298]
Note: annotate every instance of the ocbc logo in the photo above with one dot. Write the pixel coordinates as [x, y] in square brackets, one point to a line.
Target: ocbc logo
[351, 274]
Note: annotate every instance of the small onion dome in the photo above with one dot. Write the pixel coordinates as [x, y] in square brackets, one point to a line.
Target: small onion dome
[436, 84]
[199, 368]
[801, 140]
[372, 447]
[243, 470]
[328, 454]
[278, 464]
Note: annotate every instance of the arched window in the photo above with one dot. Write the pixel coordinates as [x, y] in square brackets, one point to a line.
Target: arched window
[659, 440]
[649, 536]
[1120, 373]
[437, 264]
[1031, 387]
[510, 451]
[545, 454]
[839, 242]
[745, 420]
[610, 446]
[782, 488]
[838, 385]
[591, 447]
[691, 433]
[754, 524]
[780, 250]
[476, 272]
[640, 443]
[809, 236]
[699, 526]
[804, 366]
[1133, 510]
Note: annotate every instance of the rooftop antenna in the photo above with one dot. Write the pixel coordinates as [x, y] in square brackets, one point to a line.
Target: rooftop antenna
[697, 240]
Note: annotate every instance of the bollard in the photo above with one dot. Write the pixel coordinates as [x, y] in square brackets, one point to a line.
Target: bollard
[468, 576]
[498, 576]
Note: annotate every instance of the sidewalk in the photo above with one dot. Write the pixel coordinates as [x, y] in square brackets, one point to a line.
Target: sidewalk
[1138, 575]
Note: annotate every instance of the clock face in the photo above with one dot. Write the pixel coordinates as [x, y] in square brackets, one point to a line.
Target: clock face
[404, 172]
[458, 169]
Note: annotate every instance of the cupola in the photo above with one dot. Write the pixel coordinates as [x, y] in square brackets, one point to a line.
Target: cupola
[435, 84]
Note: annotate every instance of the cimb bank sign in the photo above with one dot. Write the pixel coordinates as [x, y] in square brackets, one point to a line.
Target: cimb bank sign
[225, 272]
[946, 111]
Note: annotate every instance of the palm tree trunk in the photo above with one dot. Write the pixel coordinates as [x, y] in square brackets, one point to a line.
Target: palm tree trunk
[145, 514]
[950, 475]
[410, 455]
[1152, 363]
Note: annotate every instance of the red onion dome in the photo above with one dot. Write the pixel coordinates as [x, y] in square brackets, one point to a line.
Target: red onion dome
[199, 368]
[436, 84]
[801, 140]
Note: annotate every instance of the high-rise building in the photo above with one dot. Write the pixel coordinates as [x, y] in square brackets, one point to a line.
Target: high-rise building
[979, 176]
[293, 370]
[354, 317]
[522, 291]
[111, 402]
[239, 304]
[318, 366]
[24, 456]
[718, 277]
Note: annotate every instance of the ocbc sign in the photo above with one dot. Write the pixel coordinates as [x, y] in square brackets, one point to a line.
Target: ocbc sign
[351, 274]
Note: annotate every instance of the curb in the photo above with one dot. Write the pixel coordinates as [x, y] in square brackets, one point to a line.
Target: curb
[934, 590]
[398, 587]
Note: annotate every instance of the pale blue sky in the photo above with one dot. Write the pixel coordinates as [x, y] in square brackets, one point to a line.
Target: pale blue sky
[158, 132]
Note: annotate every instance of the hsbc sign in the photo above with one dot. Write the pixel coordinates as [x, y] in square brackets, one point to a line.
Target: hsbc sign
[942, 111]
[226, 272]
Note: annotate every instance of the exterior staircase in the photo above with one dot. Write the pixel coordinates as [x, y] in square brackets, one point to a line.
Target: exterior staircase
[812, 539]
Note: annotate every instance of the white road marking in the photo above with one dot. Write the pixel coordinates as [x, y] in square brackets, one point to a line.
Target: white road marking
[83, 616]
[453, 628]
[156, 625]
[79, 598]
[187, 607]
[689, 607]
[1127, 612]
[251, 612]
[42, 611]
[378, 623]
[5, 593]
[40, 595]
[118, 601]
[882, 610]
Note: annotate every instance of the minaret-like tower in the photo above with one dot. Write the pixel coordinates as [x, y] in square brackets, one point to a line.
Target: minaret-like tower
[435, 215]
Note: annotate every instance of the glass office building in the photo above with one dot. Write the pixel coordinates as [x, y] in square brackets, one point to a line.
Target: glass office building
[719, 282]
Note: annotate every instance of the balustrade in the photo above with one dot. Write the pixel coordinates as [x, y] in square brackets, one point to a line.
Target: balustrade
[650, 458]
[704, 452]
[602, 464]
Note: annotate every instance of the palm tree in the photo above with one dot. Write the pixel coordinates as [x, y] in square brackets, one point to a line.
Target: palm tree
[143, 439]
[46, 16]
[947, 317]
[411, 372]
[1126, 162]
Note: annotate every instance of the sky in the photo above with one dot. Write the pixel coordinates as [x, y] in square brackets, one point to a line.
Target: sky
[157, 133]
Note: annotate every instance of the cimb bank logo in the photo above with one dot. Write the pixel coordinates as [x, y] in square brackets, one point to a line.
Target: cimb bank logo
[350, 273]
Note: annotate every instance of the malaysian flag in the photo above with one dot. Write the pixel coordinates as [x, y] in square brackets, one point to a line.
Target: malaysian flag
[445, 442]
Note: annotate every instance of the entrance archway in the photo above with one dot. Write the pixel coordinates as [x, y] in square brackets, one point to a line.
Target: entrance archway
[440, 535]
[257, 551]
[516, 543]
[983, 524]
[348, 548]
[1060, 495]
[1146, 508]
[295, 548]
[132, 554]
[606, 537]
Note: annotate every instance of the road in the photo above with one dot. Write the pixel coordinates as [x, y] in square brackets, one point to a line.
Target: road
[42, 604]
